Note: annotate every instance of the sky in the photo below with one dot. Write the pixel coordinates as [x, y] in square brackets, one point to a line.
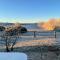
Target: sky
[13, 56]
[26, 11]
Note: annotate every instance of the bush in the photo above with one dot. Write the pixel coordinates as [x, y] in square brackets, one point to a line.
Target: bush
[2, 28]
[23, 30]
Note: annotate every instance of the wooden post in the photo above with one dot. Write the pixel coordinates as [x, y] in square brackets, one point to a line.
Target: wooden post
[34, 34]
[55, 34]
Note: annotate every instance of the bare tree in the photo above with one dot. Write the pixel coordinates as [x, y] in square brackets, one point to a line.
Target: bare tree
[8, 42]
[10, 37]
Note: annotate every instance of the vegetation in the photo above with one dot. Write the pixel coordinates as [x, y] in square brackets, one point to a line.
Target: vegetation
[23, 30]
[8, 42]
[17, 31]
[57, 29]
[9, 39]
[51, 24]
[2, 28]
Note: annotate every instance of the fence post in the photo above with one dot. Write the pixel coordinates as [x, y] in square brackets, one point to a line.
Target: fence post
[55, 34]
[34, 34]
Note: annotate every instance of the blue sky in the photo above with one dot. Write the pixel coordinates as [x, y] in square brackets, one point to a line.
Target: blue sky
[13, 56]
[29, 10]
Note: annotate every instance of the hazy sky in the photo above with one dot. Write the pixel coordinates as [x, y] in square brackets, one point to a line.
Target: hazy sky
[29, 10]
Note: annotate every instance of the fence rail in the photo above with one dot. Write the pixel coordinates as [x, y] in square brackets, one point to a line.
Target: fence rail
[41, 33]
[34, 34]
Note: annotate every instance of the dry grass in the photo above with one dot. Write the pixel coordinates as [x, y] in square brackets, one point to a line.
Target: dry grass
[36, 43]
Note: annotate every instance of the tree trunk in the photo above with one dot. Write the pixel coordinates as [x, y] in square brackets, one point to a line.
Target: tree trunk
[12, 48]
[7, 49]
